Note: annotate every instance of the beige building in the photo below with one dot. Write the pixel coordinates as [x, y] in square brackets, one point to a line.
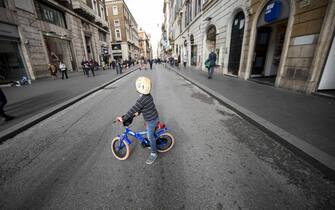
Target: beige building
[284, 43]
[296, 48]
[145, 46]
[123, 26]
[36, 33]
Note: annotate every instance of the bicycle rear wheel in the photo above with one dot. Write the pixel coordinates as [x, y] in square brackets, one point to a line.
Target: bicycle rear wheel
[165, 142]
[120, 149]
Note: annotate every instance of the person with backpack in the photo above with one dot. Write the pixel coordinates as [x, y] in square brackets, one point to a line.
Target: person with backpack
[210, 63]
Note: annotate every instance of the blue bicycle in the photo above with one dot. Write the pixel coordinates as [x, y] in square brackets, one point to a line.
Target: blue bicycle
[120, 144]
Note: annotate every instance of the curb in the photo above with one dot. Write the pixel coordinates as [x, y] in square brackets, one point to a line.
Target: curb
[321, 160]
[28, 123]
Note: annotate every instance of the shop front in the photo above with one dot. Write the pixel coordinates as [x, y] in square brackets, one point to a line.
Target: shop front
[105, 56]
[271, 29]
[11, 60]
[59, 49]
[327, 82]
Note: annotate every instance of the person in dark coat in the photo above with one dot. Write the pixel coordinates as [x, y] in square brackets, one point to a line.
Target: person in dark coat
[113, 64]
[92, 66]
[3, 102]
[150, 62]
[210, 63]
[118, 67]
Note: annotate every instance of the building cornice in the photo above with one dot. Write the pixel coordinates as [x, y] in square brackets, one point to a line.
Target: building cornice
[54, 3]
[189, 25]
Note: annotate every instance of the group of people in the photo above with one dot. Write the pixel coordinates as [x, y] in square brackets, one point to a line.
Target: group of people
[89, 65]
[209, 63]
[53, 69]
[119, 65]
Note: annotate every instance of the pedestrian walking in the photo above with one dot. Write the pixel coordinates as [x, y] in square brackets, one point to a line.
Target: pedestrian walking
[210, 63]
[92, 65]
[83, 65]
[63, 69]
[53, 71]
[3, 102]
[113, 64]
[87, 68]
[118, 67]
[150, 62]
[184, 60]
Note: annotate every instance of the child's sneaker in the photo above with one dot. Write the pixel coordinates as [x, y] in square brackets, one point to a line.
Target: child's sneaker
[152, 157]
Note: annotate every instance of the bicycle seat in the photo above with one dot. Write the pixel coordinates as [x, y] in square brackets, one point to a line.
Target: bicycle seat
[160, 125]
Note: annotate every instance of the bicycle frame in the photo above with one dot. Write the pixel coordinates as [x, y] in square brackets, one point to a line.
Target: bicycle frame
[138, 135]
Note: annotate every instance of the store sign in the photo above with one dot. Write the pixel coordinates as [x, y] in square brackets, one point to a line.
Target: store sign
[272, 11]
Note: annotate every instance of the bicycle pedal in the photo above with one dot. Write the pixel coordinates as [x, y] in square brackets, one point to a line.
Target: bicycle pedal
[144, 145]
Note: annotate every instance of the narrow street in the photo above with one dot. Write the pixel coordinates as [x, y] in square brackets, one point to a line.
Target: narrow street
[219, 160]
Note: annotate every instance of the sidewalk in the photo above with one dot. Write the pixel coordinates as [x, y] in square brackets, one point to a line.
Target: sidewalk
[30, 100]
[309, 118]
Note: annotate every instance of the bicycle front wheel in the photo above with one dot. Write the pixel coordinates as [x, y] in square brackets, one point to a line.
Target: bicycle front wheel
[165, 142]
[120, 149]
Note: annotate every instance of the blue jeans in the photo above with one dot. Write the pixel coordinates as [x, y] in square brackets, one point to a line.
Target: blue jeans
[210, 71]
[151, 134]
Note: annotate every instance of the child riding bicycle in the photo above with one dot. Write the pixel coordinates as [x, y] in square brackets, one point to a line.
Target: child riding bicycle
[145, 105]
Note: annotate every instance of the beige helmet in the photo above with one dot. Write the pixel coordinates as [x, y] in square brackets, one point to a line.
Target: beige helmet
[143, 85]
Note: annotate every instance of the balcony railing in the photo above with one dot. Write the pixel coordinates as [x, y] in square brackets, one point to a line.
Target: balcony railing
[83, 9]
[101, 22]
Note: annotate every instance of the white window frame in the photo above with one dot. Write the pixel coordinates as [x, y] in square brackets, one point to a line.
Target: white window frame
[115, 10]
[115, 23]
[118, 31]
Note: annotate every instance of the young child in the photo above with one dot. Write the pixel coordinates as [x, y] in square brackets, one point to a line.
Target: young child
[145, 105]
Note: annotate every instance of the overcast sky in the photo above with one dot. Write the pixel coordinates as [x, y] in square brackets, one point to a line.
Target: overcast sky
[148, 15]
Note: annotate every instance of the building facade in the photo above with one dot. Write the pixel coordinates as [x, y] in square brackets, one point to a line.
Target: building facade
[285, 43]
[145, 45]
[124, 34]
[36, 33]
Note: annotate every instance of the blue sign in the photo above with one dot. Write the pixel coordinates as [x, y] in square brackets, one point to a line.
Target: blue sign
[272, 11]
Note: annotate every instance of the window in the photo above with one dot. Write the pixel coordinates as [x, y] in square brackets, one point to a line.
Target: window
[2, 3]
[116, 46]
[195, 8]
[115, 10]
[102, 36]
[117, 34]
[199, 6]
[102, 13]
[127, 33]
[50, 15]
[116, 23]
[190, 12]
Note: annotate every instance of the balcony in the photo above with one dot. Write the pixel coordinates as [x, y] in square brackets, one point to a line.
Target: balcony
[83, 9]
[65, 3]
[101, 22]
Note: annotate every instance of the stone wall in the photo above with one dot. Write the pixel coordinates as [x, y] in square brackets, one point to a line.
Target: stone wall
[307, 19]
[30, 32]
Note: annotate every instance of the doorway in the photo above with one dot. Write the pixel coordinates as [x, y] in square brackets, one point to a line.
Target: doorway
[236, 43]
[211, 38]
[59, 50]
[327, 81]
[193, 51]
[268, 49]
[271, 30]
[11, 65]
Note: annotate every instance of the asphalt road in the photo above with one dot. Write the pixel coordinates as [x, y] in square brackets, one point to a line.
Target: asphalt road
[27, 101]
[219, 160]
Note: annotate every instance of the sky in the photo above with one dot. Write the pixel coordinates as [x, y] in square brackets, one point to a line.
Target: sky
[149, 16]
